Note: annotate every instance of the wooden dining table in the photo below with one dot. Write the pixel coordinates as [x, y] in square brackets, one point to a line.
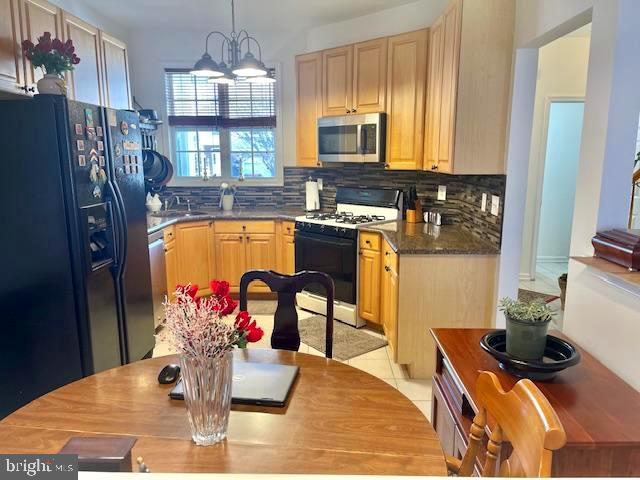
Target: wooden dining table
[338, 420]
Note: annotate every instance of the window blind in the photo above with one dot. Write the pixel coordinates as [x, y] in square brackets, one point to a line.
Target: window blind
[193, 101]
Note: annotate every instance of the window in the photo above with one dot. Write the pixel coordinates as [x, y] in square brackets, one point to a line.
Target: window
[225, 131]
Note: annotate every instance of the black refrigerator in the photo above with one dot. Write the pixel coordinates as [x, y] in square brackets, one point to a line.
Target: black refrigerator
[75, 289]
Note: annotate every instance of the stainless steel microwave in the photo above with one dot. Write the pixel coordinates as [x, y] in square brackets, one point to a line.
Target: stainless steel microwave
[352, 138]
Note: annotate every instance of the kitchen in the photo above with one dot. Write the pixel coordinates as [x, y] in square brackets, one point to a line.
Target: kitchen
[376, 155]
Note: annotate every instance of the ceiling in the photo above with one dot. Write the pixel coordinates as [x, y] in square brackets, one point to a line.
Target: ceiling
[252, 15]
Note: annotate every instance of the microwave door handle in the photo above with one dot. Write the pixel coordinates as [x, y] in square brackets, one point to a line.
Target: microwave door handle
[359, 143]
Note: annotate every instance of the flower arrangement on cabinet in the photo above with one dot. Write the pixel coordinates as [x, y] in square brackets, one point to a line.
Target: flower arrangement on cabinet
[51, 55]
[199, 327]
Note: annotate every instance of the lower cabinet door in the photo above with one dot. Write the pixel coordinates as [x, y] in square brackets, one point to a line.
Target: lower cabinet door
[369, 286]
[289, 252]
[443, 421]
[195, 255]
[230, 258]
[171, 266]
[261, 255]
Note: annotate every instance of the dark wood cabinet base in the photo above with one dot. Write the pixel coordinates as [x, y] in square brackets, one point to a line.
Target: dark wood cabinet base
[599, 411]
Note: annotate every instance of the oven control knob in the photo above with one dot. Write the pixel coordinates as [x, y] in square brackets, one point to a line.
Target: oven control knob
[322, 227]
[343, 230]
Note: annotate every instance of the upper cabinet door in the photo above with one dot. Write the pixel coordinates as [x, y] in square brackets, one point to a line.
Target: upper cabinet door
[370, 76]
[117, 90]
[11, 66]
[434, 96]
[451, 23]
[337, 81]
[39, 16]
[308, 107]
[406, 79]
[85, 80]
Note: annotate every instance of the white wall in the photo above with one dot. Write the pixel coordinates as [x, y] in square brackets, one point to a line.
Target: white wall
[562, 72]
[392, 21]
[612, 106]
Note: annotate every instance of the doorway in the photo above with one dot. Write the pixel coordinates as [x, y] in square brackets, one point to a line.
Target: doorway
[553, 166]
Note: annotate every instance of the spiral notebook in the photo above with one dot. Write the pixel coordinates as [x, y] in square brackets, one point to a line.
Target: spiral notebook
[256, 384]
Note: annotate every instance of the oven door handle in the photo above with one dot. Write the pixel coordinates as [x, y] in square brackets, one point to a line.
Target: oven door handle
[327, 240]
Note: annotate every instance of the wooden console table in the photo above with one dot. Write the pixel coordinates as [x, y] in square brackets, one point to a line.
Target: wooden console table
[599, 411]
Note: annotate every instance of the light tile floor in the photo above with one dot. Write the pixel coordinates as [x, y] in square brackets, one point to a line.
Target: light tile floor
[546, 281]
[378, 363]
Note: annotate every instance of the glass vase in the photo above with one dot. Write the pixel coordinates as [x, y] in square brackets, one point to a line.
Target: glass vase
[207, 396]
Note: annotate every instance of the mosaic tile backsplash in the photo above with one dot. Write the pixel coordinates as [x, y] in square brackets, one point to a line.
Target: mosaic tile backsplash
[464, 192]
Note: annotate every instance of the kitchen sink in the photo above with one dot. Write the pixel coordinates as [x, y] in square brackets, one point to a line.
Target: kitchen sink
[178, 213]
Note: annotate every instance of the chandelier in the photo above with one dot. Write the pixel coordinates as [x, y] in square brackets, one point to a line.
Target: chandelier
[236, 65]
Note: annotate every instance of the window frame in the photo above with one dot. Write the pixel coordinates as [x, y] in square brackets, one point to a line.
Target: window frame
[169, 135]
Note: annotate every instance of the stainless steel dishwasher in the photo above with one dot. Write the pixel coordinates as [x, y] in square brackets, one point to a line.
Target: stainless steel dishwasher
[158, 275]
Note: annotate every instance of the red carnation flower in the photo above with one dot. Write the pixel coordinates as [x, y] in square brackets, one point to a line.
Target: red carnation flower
[255, 334]
[219, 288]
[57, 44]
[27, 45]
[75, 59]
[243, 319]
[226, 305]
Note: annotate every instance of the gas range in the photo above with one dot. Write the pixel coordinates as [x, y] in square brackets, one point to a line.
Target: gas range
[338, 224]
[328, 242]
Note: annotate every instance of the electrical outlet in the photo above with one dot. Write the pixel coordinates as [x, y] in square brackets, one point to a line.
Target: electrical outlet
[442, 192]
[495, 205]
[483, 205]
[319, 184]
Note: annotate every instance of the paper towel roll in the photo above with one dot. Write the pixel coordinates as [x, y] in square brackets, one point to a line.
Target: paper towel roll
[312, 196]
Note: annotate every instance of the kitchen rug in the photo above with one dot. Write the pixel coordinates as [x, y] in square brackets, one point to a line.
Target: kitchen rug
[348, 342]
[529, 295]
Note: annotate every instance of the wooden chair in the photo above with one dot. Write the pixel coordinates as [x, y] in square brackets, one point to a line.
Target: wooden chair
[523, 417]
[286, 335]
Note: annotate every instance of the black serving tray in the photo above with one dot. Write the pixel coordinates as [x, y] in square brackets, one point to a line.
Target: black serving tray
[558, 355]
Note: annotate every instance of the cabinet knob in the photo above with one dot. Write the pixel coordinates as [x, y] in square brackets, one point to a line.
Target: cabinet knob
[240, 237]
[353, 110]
[386, 267]
[348, 111]
[434, 167]
[318, 163]
[248, 237]
[386, 165]
[26, 89]
[386, 254]
[368, 242]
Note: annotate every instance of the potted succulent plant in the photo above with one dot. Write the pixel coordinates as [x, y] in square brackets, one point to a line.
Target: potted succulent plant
[527, 325]
[54, 57]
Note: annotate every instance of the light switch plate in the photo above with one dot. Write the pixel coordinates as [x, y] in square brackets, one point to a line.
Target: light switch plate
[442, 192]
[495, 205]
[483, 205]
[319, 184]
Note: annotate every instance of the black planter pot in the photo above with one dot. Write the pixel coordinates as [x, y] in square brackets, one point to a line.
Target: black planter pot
[526, 340]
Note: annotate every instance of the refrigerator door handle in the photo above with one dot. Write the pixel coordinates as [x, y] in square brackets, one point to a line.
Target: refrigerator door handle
[124, 233]
[119, 231]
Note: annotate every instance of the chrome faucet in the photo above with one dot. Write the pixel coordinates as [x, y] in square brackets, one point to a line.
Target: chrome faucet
[169, 202]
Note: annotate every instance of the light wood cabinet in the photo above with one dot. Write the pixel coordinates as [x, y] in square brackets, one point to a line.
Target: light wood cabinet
[195, 255]
[369, 286]
[337, 81]
[285, 244]
[84, 82]
[370, 76]
[308, 107]
[231, 260]
[38, 16]
[11, 63]
[469, 88]
[261, 255]
[171, 266]
[102, 76]
[389, 298]
[115, 68]
[244, 245]
[406, 79]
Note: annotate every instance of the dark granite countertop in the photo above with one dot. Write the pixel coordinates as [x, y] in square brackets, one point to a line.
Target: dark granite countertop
[155, 223]
[426, 239]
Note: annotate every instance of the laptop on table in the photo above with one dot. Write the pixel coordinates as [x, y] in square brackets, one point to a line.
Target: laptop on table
[263, 384]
